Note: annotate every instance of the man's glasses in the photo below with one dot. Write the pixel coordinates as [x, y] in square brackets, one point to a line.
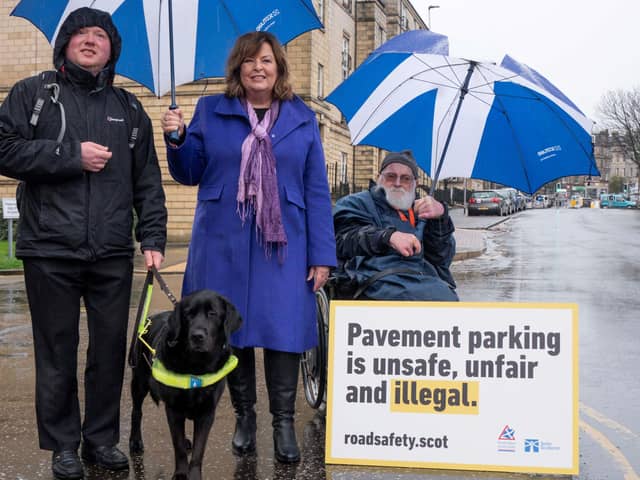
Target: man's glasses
[393, 177]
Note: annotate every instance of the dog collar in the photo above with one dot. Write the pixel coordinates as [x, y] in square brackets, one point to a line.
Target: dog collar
[186, 381]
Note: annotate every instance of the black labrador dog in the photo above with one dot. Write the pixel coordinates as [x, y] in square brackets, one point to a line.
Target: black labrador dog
[191, 342]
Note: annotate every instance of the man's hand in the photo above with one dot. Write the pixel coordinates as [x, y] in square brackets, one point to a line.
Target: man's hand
[153, 259]
[319, 274]
[428, 208]
[406, 244]
[94, 156]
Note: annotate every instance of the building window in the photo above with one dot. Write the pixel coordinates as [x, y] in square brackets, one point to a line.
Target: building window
[320, 84]
[321, 10]
[347, 4]
[404, 17]
[346, 56]
[342, 170]
[381, 35]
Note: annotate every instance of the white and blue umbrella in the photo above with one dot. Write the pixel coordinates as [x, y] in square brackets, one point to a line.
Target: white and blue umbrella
[461, 118]
[203, 30]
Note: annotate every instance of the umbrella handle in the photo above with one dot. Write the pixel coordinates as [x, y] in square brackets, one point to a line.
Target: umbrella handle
[174, 136]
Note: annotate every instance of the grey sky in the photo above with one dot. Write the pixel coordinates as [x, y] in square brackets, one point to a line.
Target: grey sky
[584, 47]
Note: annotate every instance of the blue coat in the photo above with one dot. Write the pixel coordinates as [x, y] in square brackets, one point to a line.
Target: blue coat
[276, 302]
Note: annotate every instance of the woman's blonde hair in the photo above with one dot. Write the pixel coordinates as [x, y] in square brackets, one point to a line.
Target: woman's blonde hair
[248, 45]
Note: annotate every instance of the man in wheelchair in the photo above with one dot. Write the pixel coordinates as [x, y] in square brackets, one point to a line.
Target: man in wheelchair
[392, 246]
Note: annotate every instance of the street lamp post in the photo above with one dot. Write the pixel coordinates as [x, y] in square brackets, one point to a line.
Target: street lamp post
[429, 14]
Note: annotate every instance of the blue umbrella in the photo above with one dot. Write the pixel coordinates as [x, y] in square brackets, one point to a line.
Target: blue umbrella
[416, 41]
[462, 118]
[205, 31]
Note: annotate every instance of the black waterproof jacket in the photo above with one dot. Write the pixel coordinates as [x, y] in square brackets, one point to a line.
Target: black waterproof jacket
[66, 212]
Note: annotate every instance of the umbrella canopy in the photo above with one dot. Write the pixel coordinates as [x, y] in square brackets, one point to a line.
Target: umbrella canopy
[204, 32]
[461, 118]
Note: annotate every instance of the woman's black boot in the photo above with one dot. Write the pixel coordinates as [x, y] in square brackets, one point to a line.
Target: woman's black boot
[281, 373]
[242, 389]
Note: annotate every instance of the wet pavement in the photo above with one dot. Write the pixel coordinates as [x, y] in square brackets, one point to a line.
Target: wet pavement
[20, 457]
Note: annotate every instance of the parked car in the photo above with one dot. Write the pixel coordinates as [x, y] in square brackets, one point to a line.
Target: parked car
[509, 199]
[541, 201]
[516, 199]
[487, 202]
[523, 200]
[615, 200]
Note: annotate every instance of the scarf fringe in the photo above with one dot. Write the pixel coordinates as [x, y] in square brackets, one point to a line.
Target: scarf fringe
[258, 183]
[246, 210]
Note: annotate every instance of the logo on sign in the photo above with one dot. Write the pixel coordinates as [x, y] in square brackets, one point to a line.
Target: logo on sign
[507, 433]
[531, 445]
[507, 440]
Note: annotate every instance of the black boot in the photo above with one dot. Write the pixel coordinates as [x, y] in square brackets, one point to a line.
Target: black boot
[281, 372]
[242, 389]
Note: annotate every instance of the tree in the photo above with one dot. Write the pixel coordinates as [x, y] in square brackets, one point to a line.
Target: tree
[616, 184]
[620, 110]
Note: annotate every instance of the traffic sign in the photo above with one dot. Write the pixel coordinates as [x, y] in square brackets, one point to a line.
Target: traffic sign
[9, 209]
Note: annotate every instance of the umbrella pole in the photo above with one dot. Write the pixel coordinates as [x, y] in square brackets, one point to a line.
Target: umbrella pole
[173, 136]
[463, 91]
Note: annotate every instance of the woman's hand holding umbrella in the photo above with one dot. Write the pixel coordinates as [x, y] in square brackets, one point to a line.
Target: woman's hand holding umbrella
[173, 121]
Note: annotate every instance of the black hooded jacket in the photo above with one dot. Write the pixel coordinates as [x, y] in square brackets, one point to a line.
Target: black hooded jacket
[66, 212]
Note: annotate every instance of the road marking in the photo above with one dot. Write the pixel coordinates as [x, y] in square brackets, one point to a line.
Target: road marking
[604, 420]
[618, 457]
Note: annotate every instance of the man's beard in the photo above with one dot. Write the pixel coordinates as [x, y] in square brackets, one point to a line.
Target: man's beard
[399, 198]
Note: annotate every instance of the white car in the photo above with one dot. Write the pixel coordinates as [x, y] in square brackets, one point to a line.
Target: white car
[541, 201]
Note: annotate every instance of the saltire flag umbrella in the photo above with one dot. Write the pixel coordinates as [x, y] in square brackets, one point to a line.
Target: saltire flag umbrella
[463, 118]
[203, 31]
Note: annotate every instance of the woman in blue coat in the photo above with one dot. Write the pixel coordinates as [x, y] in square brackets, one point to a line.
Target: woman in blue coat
[263, 231]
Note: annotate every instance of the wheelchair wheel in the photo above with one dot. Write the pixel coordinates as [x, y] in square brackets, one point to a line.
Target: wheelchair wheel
[314, 361]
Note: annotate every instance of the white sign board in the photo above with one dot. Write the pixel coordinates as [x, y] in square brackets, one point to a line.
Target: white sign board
[9, 209]
[465, 386]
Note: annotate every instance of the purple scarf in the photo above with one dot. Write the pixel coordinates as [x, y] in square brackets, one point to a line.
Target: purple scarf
[258, 181]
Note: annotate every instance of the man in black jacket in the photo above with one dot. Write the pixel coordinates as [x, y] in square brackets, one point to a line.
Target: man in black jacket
[390, 244]
[83, 151]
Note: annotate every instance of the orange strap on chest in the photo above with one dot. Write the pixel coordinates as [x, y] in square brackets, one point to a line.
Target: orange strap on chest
[411, 219]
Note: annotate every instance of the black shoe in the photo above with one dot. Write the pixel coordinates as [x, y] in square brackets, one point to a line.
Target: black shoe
[244, 436]
[66, 465]
[285, 447]
[106, 457]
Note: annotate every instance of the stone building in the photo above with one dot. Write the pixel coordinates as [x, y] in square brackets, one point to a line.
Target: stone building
[613, 161]
[319, 60]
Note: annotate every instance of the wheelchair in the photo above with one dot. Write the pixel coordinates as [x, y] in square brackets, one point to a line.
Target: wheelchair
[314, 362]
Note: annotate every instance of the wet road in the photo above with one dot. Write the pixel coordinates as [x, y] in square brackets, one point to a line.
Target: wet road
[586, 256]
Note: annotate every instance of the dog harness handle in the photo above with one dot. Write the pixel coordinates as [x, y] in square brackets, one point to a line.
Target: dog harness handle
[187, 381]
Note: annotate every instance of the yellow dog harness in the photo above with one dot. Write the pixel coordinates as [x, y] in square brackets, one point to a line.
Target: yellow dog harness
[169, 378]
[187, 381]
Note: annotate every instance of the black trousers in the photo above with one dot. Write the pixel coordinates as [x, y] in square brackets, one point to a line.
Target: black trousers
[54, 289]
